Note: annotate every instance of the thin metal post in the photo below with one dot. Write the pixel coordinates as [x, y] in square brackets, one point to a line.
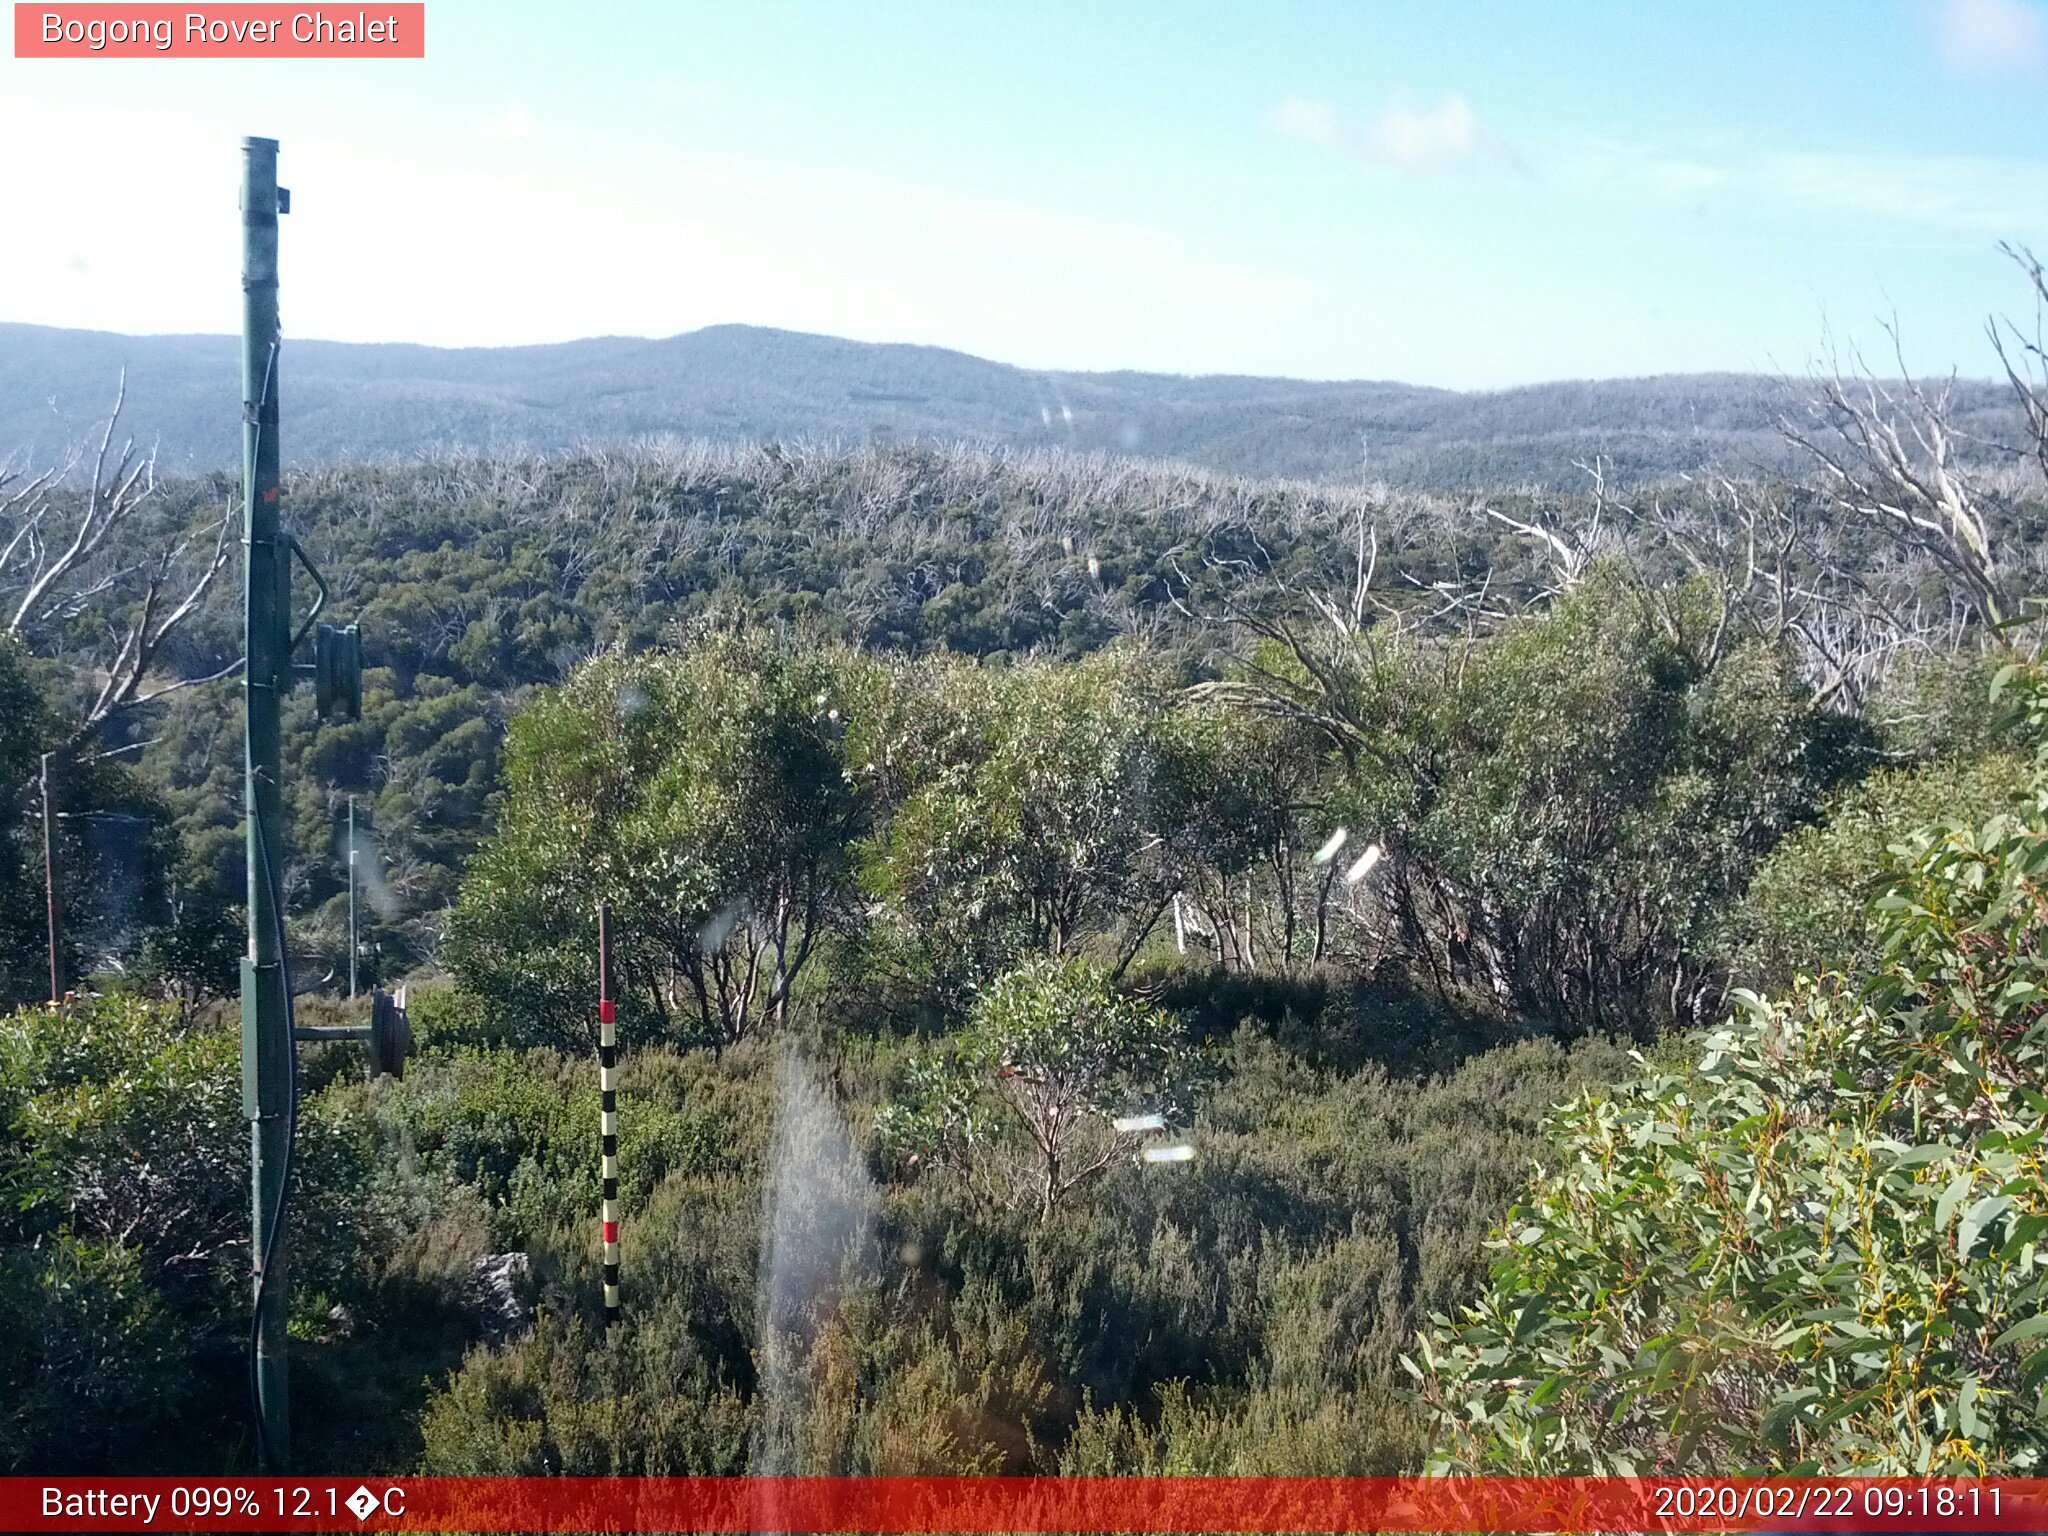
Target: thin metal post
[266, 1031]
[608, 1113]
[52, 903]
[352, 896]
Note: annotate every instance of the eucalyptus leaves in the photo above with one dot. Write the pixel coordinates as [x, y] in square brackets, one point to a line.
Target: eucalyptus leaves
[1821, 1246]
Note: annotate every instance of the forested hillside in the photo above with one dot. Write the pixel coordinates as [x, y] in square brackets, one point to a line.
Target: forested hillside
[1099, 947]
[738, 383]
[478, 580]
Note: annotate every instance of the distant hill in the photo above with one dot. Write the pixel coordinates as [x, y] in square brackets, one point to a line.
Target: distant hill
[348, 401]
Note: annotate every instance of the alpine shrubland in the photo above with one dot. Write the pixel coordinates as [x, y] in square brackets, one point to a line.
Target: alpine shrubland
[1119, 970]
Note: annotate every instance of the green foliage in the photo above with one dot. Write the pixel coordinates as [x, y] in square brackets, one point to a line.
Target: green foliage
[518, 1127]
[1568, 807]
[1818, 1247]
[112, 848]
[1805, 912]
[445, 1017]
[704, 796]
[96, 1368]
[1273, 1275]
[1051, 1056]
[518, 1130]
[479, 580]
[1270, 1284]
[1021, 800]
[25, 729]
[822, 821]
[1273, 1432]
[1240, 806]
[197, 955]
[127, 1127]
[123, 1247]
[938, 820]
[1931, 707]
[561, 1403]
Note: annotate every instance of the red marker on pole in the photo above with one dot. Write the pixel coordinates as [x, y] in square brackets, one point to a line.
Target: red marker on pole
[608, 1112]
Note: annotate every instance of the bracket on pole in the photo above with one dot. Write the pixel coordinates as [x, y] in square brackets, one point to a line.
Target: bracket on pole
[388, 1034]
[338, 671]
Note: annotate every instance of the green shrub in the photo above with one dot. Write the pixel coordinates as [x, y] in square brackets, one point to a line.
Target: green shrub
[124, 1242]
[445, 1017]
[1024, 1103]
[564, 1403]
[1806, 909]
[519, 1128]
[124, 1124]
[1818, 1247]
[97, 1369]
[705, 795]
[197, 955]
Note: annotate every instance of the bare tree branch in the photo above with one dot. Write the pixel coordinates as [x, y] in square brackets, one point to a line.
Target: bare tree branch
[61, 562]
[2026, 365]
[1888, 455]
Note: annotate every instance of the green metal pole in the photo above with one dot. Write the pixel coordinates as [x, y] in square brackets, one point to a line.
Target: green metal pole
[266, 1030]
[352, 897]
[53, 903]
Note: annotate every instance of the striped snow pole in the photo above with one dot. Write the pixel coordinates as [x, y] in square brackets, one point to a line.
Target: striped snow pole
[608, 1111]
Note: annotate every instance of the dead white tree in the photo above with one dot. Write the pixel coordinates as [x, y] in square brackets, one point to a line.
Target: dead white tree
[1891, 453]
[1780, 574]
[1570, 551]
[67, 555]
[2025, 359]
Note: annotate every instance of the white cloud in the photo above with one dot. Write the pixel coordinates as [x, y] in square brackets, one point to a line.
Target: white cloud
[1437, 138]
[512, 126]
[1974, 195]
[1299, 117]
[1992, 37]
[1988, 194]
[1648, 168]
[1445, 137]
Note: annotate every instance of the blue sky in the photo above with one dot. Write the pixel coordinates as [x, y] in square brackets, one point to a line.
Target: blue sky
[1467, 194]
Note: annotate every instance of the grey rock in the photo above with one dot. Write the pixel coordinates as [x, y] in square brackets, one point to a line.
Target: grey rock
[503, 1292]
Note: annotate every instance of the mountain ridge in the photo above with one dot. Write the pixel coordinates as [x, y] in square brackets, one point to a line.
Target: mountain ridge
[353, 400]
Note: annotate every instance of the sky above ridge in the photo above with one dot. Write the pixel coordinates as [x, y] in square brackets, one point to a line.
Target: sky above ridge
[1463, 194]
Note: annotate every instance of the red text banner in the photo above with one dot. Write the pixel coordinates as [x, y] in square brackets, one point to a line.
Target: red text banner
[1022, 1504]
[236, 31]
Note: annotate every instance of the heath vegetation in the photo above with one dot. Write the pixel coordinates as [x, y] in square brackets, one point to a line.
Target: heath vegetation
[1121, 968]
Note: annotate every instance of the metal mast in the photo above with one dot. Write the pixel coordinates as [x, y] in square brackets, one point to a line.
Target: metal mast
[352, 896]
[53, 909]
[266, 1028]
[269, 1052]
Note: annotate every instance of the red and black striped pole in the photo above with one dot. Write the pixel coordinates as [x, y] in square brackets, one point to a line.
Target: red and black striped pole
[608, 1111]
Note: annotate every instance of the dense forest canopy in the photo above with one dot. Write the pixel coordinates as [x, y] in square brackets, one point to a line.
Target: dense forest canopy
[1100, 947]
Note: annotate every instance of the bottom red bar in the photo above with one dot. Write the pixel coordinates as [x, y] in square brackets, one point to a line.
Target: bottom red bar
[1022, 1504]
